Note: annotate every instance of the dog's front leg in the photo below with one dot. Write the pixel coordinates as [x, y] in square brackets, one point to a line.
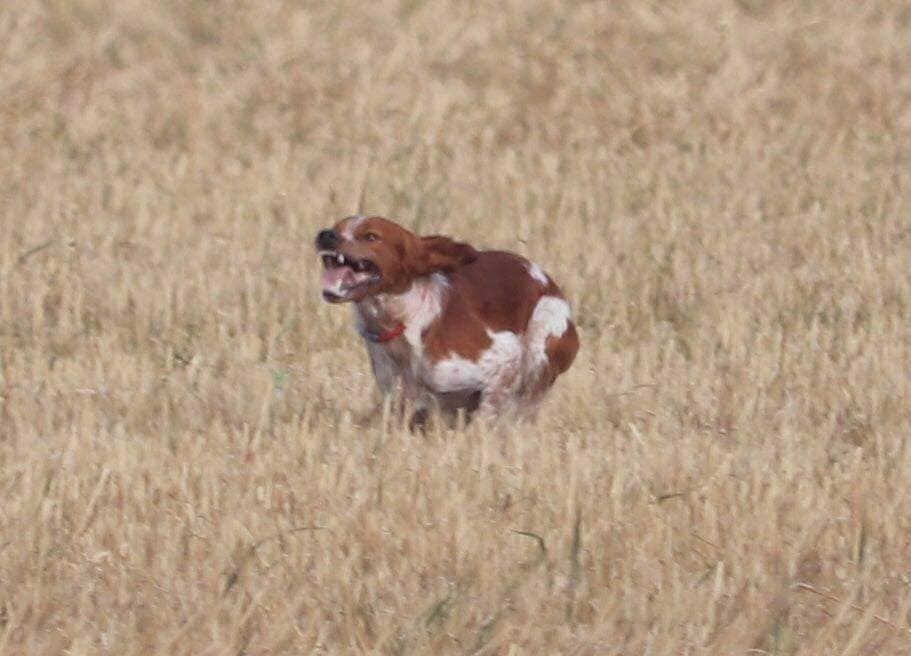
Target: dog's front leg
[386, 370]
[395, 379]
[418, 403]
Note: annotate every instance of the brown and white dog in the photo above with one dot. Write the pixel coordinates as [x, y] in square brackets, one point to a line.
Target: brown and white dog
[451, 326]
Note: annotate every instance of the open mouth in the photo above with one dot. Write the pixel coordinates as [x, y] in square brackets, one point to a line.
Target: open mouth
[346, 278]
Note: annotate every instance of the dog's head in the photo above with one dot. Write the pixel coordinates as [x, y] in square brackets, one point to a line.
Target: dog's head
[363, 256]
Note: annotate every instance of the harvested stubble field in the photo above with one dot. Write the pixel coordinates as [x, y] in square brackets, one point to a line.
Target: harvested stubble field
[186, 460]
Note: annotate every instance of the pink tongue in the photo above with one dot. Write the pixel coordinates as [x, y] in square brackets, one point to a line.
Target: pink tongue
[338, 277]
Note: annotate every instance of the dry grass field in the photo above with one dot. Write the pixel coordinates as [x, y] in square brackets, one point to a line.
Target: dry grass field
[187, 462]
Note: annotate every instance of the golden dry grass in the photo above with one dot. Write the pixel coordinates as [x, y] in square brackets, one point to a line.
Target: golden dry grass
[721, 187]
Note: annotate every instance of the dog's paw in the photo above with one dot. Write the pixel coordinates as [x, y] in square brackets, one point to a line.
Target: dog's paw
[418, 421]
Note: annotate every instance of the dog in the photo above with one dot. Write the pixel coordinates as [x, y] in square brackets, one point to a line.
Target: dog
[449, 326]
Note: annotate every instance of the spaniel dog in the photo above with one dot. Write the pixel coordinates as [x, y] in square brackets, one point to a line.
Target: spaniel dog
[449, 326]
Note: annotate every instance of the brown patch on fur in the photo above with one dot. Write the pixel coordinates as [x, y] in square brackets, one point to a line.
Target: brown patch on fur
[561, 351]
[436, 253]
[500, 289]
[458, 330]
[494, 292]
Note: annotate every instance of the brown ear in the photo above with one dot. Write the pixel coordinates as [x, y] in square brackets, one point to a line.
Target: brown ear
[438, 253]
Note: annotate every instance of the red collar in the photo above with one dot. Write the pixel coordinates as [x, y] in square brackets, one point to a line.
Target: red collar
[386, 335]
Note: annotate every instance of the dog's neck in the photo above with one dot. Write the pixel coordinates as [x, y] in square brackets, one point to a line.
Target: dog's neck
[414, 309]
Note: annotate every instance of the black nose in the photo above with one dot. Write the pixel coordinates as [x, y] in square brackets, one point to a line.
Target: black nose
[326, 240]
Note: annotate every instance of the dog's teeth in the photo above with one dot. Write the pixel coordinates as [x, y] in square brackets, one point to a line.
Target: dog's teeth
[340, 258]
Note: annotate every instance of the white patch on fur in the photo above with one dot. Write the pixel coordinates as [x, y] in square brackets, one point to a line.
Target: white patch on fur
[352, 226]
[550, 318]
[421, 307]
[536, 272]
[498, 365]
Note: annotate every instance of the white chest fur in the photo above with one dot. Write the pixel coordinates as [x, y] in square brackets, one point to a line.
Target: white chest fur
[416, 309]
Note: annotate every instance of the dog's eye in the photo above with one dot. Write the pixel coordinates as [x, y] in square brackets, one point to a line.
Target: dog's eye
[371, 236]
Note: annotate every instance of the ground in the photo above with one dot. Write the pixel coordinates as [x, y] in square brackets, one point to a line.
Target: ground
[720, 187]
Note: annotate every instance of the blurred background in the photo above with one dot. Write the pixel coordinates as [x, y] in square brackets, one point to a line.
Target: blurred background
[721, 189]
